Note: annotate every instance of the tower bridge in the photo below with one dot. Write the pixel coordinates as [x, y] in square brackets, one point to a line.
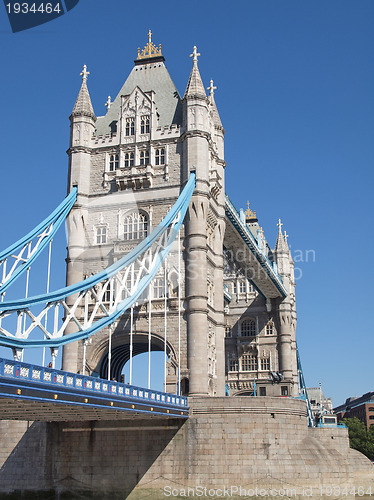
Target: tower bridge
[158, 259]
[153, 243]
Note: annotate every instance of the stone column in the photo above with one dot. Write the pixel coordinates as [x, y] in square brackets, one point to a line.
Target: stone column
[196, 295]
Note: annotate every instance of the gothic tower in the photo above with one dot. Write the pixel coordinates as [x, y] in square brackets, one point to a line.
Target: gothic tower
[129, 167]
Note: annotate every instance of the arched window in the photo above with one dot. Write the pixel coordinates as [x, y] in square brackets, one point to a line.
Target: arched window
[101, 235]
[113, 162]
[159, 287]
[160, 156]
[130, 126]
[248, 328]
[129, 159]
[270, 328]
[135, 226]
[144, 125]
[265, 364]
[144, 157]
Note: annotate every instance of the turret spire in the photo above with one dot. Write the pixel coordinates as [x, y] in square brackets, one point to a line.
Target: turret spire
[83, 105]
[195, 87]
[281, 244]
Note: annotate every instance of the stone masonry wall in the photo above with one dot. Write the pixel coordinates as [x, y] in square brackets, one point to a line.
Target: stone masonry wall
[251, 443]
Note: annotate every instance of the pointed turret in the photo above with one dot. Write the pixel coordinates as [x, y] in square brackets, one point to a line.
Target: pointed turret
[281, 245]
[83, 105]
[213, 108]
[195, 87]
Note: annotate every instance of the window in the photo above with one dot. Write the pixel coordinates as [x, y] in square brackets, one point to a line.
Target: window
[371, 417]
[371, 408]
[113, 162]
[159, 288]
[242, 287]
[228, 332]
[234, 287]
[270, 328]
[144, 157]
[249, 362]
[135, 226]
[284, 390]
[233, 365]
[129, 159]
[130, 126]
[144, 125]
[265, 364]
[106, 294]
[100, 235]
[160, 156]
[248, 328]
[262, 391]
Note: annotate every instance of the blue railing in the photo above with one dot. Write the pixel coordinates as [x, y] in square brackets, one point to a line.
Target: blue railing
[330, 426]
[58, 378]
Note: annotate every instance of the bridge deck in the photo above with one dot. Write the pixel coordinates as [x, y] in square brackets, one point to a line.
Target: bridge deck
[249, 257]
[29, 392]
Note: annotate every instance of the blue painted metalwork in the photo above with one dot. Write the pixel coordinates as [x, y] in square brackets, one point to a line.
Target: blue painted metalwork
[234, 216]
[55, 219]
[177, 213]
[15, 374]
[226, 293]
[303, 393]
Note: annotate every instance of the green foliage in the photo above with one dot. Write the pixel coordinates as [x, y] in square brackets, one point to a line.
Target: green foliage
[360, 438]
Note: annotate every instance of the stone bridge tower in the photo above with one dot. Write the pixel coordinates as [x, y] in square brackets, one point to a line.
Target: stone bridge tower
[130, 166]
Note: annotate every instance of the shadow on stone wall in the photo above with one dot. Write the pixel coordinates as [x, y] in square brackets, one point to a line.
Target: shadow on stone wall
[82, 460]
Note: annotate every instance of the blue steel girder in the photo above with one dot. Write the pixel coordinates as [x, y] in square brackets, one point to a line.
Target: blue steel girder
[139, 266]
[31, 392]
[17, 258]
[247, 255]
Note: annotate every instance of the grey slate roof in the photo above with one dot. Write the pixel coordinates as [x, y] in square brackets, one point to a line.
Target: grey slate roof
[195, 85]
[83, 105]
[149, 76]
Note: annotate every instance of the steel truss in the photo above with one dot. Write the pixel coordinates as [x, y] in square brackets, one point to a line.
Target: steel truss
[17, 258]
[98, 301]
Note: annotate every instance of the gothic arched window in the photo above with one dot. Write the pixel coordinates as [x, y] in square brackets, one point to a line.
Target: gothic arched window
[248, 328]
[113, 162]
[129, 159]
[130, 126]
[101, 235]
[144, 157]
[144, 125]
[270, 328]
[160, 156]
[135, 226]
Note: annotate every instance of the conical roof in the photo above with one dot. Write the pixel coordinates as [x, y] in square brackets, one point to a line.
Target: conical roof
[281, 245]
[83, 105]
[195, 87]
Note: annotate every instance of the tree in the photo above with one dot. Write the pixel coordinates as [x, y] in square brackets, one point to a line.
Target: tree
[360, 438]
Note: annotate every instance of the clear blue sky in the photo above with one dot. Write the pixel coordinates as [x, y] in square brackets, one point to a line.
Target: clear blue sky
[295, 86]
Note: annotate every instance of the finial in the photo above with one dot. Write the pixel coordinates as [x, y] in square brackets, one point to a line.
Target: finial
[250, 214]
[108, 103]
[194, 54]
[150, 50]
[84, 74]
[285, 236]
[211, 92]
[280, 224]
